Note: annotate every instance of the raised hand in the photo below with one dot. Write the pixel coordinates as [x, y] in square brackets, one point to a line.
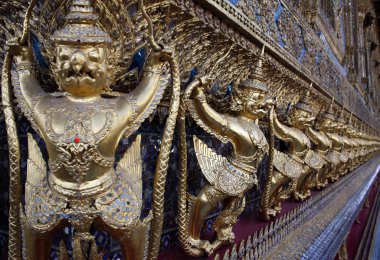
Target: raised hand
[20, 52]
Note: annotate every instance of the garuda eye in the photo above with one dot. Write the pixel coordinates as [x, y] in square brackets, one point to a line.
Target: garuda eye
[64, 56]
[93, 56]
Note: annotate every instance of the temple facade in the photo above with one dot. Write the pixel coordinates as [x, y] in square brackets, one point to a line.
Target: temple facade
[190, 129]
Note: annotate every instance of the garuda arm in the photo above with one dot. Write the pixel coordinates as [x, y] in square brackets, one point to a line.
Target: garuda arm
[319, 139]
[137, 105]
[336, 140]
[282, 131]
[314, 136]
[289, 134]
[29, 91]
[206, 117]
[282, 161]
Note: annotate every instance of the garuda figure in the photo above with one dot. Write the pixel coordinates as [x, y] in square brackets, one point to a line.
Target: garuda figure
[322, 145]
[364, 151]
[353, 144]
[314, 158]
[337, 146]
[361, 149]
[344, 141]
[325, 124]
[229, 178]
[81, 129]
[291, 168]
[370, 143]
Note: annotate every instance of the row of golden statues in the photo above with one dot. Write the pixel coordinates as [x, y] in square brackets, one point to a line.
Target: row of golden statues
[81, 127]
[321, 149]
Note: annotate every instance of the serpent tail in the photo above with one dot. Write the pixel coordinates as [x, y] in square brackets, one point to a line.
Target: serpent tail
[163, 162]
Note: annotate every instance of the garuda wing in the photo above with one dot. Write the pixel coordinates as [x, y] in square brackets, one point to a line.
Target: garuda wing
[210, 162]
[314, 160]
[131, 165]
[333, 157]
[286, 165]
[43, 207]
[121, 206]
[36, 168]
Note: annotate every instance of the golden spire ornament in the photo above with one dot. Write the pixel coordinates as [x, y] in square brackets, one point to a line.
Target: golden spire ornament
[256, 79]
[80, 26]
[329, 112]
[304, 102]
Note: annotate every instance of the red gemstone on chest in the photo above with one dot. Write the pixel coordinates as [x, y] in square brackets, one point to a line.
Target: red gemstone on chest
[76, 139]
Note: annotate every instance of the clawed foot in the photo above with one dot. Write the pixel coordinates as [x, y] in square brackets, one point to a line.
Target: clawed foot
[166, 53]
[229, 239]
[161, 55]
[217, 244]
[19, 51]
[300, 196]
[297, 196]
[277, 208]
[271, 213]
[209, 248]
[320, 185]
[14, 45]
[202, 245]
[206, 80]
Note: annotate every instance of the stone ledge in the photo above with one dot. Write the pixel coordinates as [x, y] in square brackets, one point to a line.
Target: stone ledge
[316, 228]
[320, 236]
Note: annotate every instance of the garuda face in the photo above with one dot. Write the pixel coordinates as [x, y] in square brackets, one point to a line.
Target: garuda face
[301, 119]
[257, 105]
[325, 124]
[340, 126]
[82, 69]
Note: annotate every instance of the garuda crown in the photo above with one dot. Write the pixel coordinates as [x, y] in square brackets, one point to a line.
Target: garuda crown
[81, 26]
[256, 80]
[304, 101]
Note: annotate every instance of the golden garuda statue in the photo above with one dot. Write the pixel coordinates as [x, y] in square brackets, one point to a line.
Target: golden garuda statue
[344, 141]
[349, 134]
[322, 145]
[228, 178]
[292, 168]
[82, 125]
[325, 124]
[337, 146]
[314, 158]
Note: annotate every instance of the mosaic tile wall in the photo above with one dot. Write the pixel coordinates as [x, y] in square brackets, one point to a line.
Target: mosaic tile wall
[284, 23]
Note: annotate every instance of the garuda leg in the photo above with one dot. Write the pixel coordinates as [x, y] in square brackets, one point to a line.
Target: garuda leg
[279, 188]
[200, 207]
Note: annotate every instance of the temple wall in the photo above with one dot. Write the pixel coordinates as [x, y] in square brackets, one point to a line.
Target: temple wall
[332, 44]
